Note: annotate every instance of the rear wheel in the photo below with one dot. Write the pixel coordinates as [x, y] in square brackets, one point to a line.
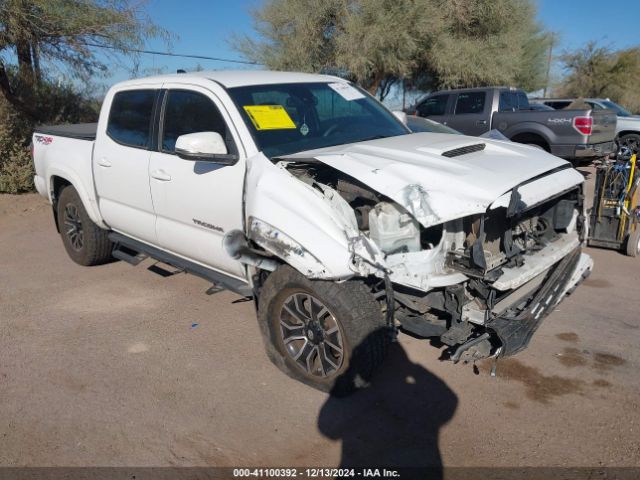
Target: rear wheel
[85, 242]
[330, 336]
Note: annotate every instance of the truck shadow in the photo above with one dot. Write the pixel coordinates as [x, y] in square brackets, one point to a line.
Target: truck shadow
[395, 422]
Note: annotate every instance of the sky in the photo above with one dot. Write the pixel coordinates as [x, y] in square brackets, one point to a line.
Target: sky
[205, 27]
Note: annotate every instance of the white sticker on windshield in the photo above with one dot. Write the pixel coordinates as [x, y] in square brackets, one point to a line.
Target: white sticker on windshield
[346, 91]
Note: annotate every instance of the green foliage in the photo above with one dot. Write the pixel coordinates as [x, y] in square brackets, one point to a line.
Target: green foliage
[43, 38]
[64, 35]
[16, 167]
[429, 43]
[58, 104]
[597, 71]
[488, 42]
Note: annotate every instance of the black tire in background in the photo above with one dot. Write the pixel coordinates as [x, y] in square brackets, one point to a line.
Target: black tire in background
[340, 317]
[85, 242]
[633, 242]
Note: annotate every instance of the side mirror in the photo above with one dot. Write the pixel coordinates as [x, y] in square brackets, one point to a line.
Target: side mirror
[400, 116]
[204, 147]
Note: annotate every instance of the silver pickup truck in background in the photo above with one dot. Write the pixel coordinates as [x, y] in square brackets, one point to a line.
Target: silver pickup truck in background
[575, 135]
[627, 125]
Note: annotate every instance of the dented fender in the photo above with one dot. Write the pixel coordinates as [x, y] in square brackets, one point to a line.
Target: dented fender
[312, 229]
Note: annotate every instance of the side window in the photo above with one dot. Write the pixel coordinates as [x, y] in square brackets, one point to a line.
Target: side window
[130, 117]
[471, 102]
[507, 102]
[433, 106]
[190, 112]
[595, 106]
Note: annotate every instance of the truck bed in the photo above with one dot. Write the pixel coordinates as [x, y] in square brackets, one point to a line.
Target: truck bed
[81, 131]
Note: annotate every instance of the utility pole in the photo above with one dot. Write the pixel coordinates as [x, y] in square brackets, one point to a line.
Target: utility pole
[547, 87]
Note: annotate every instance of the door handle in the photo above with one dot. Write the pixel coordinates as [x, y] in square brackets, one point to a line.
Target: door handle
[481, 122]
[161, 175]
[103, 162]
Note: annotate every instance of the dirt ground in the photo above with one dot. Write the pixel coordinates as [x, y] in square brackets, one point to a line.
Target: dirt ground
[115, 365]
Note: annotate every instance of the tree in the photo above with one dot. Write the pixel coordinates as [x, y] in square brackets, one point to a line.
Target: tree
[63, 34]
[598, 71]
[429, 43]
[489, 42]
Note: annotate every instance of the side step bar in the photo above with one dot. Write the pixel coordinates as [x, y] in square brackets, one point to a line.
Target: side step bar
[125, 254]
[133, 252]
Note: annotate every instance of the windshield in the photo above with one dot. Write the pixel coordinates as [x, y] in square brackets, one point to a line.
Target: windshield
[621, 112]
[291, 118]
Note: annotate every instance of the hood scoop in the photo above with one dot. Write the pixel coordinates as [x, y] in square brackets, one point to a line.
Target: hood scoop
[456, 152]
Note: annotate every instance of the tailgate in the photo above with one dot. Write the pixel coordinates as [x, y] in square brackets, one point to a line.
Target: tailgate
[604, 126]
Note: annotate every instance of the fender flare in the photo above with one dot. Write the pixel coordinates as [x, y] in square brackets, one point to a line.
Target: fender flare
[72, 177]
[533, 129]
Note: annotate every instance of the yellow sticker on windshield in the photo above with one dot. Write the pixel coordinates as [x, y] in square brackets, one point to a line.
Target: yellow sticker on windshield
[269, 117]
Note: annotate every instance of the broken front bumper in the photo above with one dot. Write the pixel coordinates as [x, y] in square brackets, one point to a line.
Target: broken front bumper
[515, 331]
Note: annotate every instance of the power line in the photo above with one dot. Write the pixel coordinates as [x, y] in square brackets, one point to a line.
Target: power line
[167, 54]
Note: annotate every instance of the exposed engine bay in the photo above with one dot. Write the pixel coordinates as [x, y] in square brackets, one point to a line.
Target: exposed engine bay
[480, 284]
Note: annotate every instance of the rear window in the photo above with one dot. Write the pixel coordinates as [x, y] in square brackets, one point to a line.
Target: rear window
[508, 102]
[523, 101]
[130, 118]
[433, 106]
[471, 102]
[511, 101]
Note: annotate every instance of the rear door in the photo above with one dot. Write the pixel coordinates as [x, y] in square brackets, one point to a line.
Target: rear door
[471, 113]
[121, 163]
[196, 203]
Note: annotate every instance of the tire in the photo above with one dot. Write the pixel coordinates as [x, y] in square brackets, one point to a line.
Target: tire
[633, 243]
[631, 141]
[85, 242]
[346, 316]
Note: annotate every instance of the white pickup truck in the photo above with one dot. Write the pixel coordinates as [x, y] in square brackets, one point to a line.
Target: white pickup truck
[306, 194]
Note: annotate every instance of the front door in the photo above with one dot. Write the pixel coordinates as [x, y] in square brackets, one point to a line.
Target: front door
[434, 108]
[471, 113]
[121, 164]
[196, 203]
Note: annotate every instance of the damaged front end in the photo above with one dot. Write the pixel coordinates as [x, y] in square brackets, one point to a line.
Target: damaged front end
[518, 260]
[480, 284]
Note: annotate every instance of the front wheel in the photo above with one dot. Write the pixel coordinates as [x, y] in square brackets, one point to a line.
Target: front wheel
[330, 336]
[85, 242]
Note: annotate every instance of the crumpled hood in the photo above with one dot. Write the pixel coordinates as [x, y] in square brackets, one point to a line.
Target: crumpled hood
[412, 171]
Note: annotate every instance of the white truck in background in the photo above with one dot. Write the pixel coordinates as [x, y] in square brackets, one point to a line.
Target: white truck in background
[305, 193]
